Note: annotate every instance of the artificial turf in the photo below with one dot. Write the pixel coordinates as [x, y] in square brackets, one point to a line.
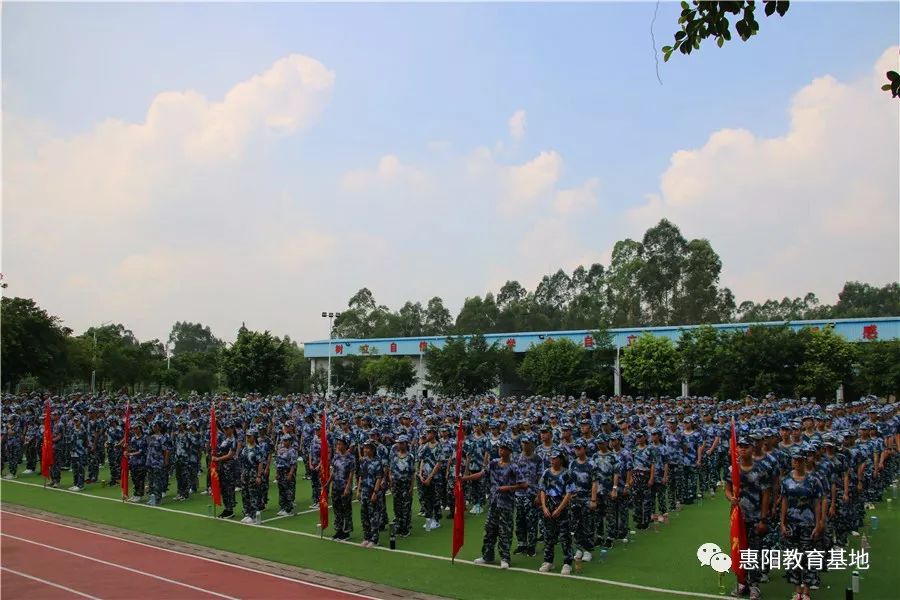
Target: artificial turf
[661, 558]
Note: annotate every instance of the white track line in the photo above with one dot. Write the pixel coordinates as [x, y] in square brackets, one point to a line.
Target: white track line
[634, 586]
[50, 583]
[194, 556]
[124, 568]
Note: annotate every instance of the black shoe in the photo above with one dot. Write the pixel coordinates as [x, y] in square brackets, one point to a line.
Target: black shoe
[337, 536]
[530, 551]
[226, 514]
[519, 550]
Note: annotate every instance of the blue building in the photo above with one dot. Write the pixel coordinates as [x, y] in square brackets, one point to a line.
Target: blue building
[321, 352]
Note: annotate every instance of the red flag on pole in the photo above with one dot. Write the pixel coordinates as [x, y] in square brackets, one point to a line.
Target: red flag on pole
[47, 457]
[738, 529]
[459, 526]
[124, 463]
[324, 474]
[215, 488]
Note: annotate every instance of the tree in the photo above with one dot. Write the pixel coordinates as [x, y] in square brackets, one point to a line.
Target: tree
[394, 374]
[437, 318]
[699, 353]
[760, 360]
[863, 300]
[412, 320]
[651, 365]
[555, 367]
[663, 250]
[700, 300]
[827, 363]
[296, 378]
[878, 368]
[192, 337]
[623, 289]
[467, 365]
[710, 20]
[34, 342]
[477, 315]
[256, 362]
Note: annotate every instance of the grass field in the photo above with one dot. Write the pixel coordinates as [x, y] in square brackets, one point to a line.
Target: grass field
[664, 559]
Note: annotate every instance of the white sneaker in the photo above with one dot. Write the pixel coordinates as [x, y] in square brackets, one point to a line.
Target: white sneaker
[281, 513]
[504, 564]
[366, 544]
[479, 561]
[578, 555]
[586, 557]
[566, 570]
[435, 524]
[247, 520]
[9, 476]
[75, 488]
[473, 510]
[27, 472]
[545, 568]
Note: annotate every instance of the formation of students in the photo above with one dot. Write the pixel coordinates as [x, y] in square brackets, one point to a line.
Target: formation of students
[572, 474]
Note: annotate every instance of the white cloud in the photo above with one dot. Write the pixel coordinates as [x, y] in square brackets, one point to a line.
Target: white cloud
[390, 171]
[800, 212]
[577, 200]
[517, 125]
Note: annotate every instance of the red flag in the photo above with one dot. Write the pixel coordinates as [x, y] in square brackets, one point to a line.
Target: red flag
[324, 474]
[47, 457]
[216, 489]
[738, 528]
[459, 526]
[124, 462]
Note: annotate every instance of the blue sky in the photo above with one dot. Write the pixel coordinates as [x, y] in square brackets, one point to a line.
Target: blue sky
[432, 88]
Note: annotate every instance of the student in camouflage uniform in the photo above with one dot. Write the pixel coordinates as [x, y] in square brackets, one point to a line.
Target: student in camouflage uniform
[114, 436]
[371, 478]
[643, 473]
[620, 494]
[197, 445]
[343, 466]
[708, 476]
[182, 461]
[313, 470]
[582, 516]
[694, 448]
[531, 467]
[156, 462]
[95, 436]
[431, 460]
[474, 449]
[504, 480]
[400, 476]
[78, 447]
[252, 460]
[12, 447]
[800, 519]
[605, 479]
[225, 457]
[674, 441]
[556, 489]
[754, 502]
[137, 461]
[286, 474]
[32, 446]
[658, 508]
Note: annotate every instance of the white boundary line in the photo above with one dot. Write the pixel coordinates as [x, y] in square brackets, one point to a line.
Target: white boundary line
[123, 567]
[194, 556]
[50, 583]
[634, 586]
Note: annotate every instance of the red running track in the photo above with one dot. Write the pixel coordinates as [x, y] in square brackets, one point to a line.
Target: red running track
[42, 560]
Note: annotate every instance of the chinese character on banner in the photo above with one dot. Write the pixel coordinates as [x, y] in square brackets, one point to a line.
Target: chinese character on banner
[771, 559]
[588, 341]
[631, 339]
[511, 343]
[870, 332]
[792, 559]
[814, 559]
[364, 349]
[837, 559]
[423, 346]
[338, 348]
[393, 346]
[750, 559]
[859, 559]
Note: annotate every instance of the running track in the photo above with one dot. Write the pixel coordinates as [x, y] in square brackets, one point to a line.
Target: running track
[42, 560]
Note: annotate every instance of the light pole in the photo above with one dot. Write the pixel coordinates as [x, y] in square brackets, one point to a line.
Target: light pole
[168, 356]
[330, 316]
[94, 371]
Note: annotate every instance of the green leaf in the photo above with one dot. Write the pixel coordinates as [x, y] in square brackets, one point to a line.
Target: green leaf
[770, 8]
[893, 76]
[680, 35]
[782, 7]
[685, 5]
[720, 41]
[886, 87]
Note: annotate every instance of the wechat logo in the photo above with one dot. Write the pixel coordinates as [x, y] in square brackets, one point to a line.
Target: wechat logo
[710, 555]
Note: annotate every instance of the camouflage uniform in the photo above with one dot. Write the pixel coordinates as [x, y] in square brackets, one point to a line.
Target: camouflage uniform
[402, 468]
[371, 471]
[342, 468]
[498, 525]
[285, 460]
[527, 514]
[555, 486]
